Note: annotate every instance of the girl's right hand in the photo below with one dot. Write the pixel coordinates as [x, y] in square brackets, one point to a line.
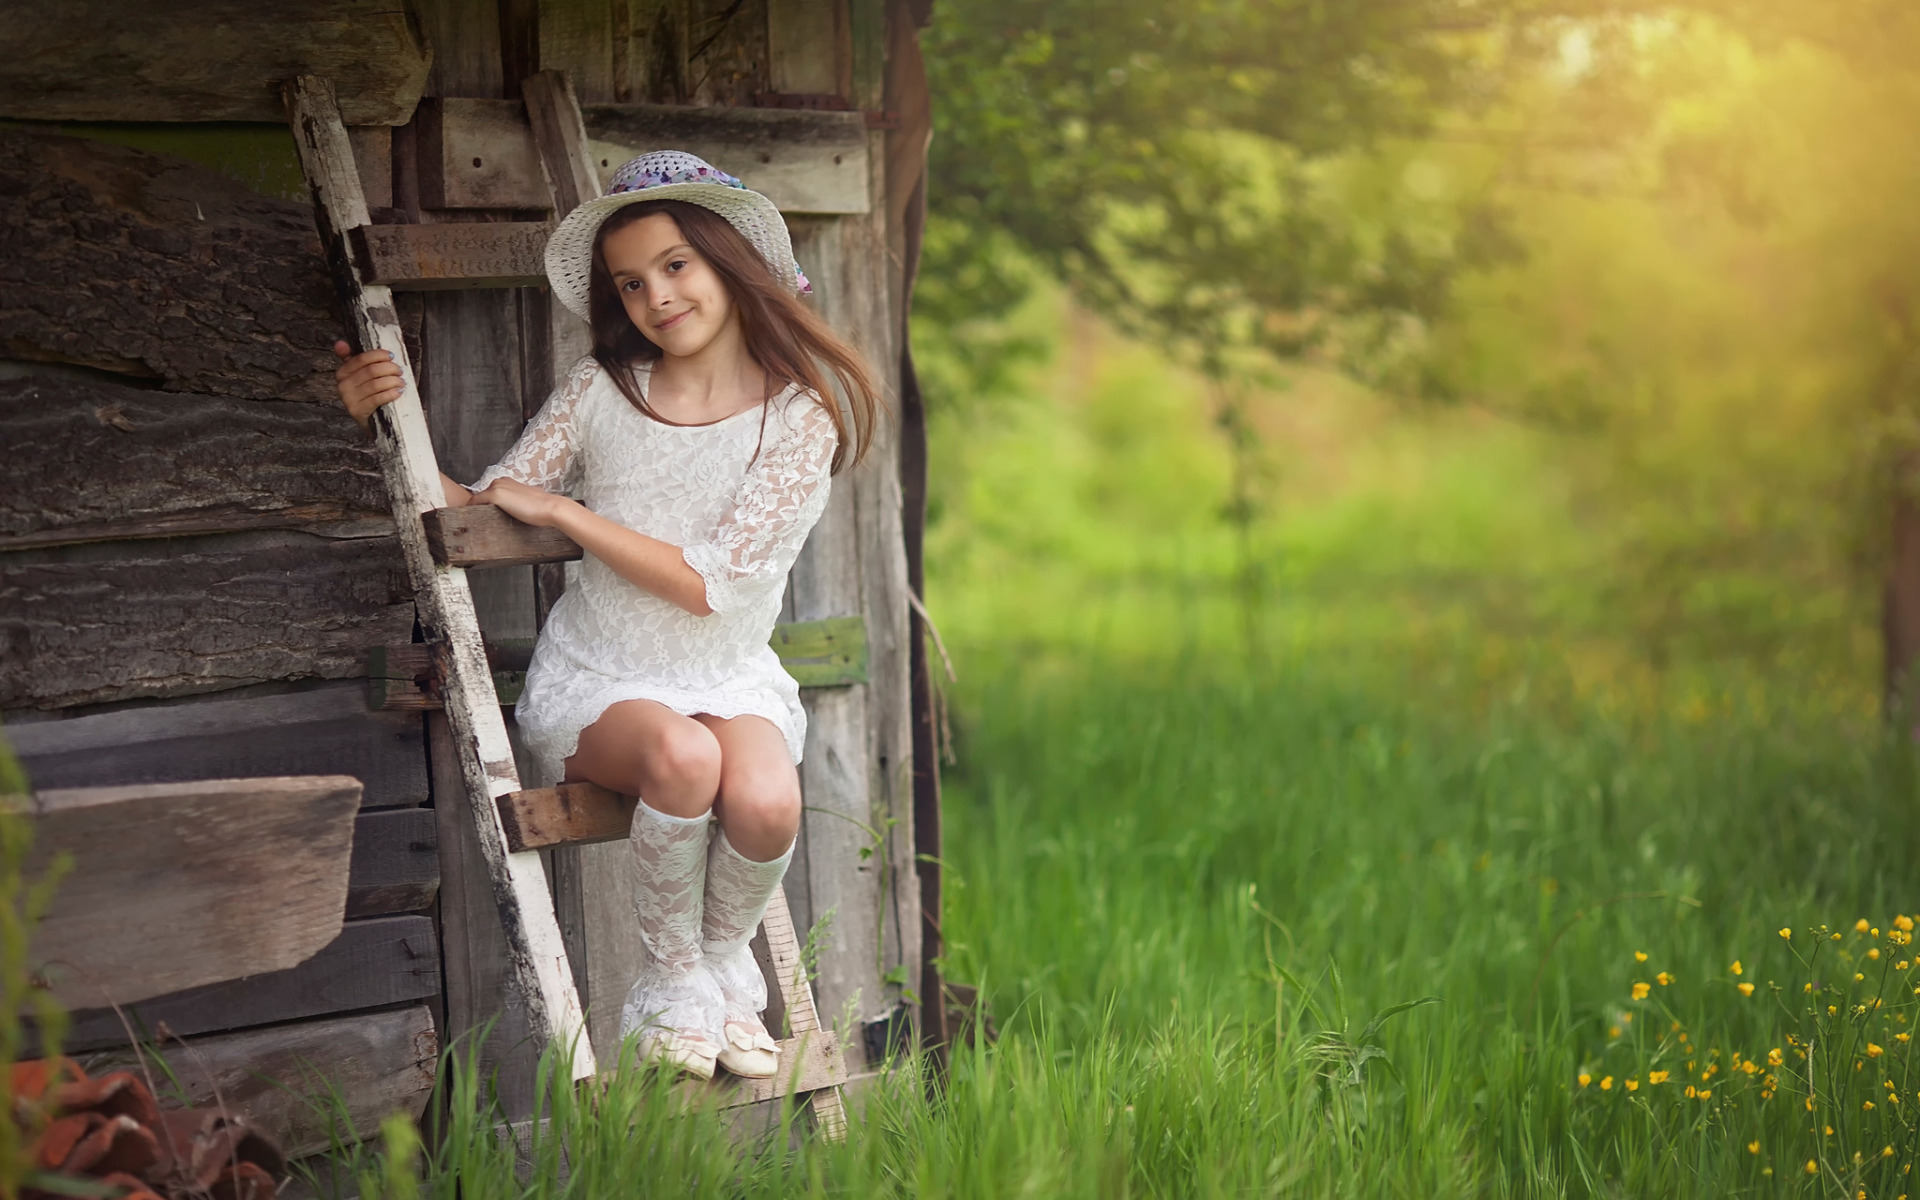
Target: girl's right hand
[366, 381]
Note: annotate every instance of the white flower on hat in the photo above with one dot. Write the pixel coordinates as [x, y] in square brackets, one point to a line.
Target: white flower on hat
[668, 175]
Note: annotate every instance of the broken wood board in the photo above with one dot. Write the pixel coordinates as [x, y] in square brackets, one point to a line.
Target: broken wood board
[372, 964]
[320, 729]
[465, 254]
[178, 885]
[90, 460]
[289, 1080]
[482, 535]
[396, 862]
[222, 60]
[192, 615]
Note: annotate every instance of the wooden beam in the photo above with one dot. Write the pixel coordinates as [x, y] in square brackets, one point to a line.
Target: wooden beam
[804, 161]
[481, 535]
[396, 863]
[179, 885]
[220, 60]
[809, 1062]
[571, 814]
[372, 964]
[477, 153]
[320, 729]
[830, 653]
[535, 947]
[560, 137]
[291, 1081]
[194, 614]
[467, 254]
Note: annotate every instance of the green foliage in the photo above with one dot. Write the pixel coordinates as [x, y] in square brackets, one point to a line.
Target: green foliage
[24, 901]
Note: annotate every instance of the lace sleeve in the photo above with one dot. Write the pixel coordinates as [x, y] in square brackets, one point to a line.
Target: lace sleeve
[545, 456]
[784, 493]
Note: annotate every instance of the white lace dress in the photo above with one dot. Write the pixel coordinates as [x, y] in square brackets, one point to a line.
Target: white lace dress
[738, 496]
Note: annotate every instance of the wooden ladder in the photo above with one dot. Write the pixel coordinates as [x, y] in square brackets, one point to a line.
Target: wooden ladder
[513, 824]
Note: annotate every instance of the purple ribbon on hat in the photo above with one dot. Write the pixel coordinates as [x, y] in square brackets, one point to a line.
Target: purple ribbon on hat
[641, 180]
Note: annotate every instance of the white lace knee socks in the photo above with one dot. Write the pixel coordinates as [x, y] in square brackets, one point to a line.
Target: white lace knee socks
[738, 892]
[676, 1005]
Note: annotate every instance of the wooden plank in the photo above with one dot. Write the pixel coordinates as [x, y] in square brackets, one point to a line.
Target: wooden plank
[805, 162]
[192, 615]
[177, 885]
[560, 137]
[323, 729]
[831, 653]
[808, 1063]
[107, 60]
[396, 863]
[808, 50]
[291, 1080]
[472, 254]
[480, 985]
[90, 460]
[569, 814]
[445, 603]
[478, 153]
[224, 292]
[480, 535]
[372, 964]
[801, 1018]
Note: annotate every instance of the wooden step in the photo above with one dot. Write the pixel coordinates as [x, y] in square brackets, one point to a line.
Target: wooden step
[404, 678]
[808, 1062]
[480, 535]
[572, 814]
[467, 254]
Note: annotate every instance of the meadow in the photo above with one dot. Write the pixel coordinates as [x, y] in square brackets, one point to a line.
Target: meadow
[1350, 898]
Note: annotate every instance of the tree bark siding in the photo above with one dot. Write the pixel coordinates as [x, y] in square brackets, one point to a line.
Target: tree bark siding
[90, 624]
[90, 460]
[160, 269]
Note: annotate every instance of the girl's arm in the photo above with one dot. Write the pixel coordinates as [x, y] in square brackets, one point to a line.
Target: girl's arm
[752, 548]
[373, 380]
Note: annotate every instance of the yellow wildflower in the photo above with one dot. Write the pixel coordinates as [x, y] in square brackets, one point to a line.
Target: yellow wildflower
[1657, 1076]
[1860, 926]
[1736, 966]
[1640, 991]
[1639, 956]
[1903, 1037]
[1787, 933]
[1746, 989]
[1813, 1168]
[1692, 1091]
[1857, 977]
[1585, 1079]
[1866, 1105]
[1903, 924]
[1874, 1051]
[1606, 1083]
[1613, 1032]
[1706, 1093]
[1775, 1058]
[1664, 978]
[1633, 1085]
[1753, 1147]
[1874, 953]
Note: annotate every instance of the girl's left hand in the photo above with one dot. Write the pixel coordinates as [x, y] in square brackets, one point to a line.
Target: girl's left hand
[517, 500]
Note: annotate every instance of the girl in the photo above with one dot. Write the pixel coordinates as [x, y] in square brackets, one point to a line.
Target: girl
[698, 442]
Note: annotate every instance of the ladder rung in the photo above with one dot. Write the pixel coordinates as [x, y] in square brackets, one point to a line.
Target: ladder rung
[480, 535]
[466, 254]
[820, 1065]
[572, 814]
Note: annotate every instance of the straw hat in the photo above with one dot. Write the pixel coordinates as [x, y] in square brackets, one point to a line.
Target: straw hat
[668, 175]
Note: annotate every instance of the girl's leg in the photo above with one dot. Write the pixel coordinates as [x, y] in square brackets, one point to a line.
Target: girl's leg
[676, 1005]
[759, 810]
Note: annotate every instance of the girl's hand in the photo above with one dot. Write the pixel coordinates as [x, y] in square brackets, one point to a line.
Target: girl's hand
[366, 381]
[529, 504]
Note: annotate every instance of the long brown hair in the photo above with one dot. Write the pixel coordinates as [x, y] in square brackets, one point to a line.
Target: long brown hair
[785, 338]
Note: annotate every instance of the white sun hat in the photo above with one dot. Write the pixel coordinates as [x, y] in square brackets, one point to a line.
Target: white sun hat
[668, 175]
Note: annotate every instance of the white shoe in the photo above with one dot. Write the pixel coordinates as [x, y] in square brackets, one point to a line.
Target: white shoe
[750, 1052]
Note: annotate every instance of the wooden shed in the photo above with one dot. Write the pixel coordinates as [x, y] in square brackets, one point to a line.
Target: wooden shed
[199, 573]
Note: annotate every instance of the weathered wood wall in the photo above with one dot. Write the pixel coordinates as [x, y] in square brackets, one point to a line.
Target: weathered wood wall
[195, 553]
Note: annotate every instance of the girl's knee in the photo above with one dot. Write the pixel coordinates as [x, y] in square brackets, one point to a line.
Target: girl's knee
[763, 806]
[684, 762]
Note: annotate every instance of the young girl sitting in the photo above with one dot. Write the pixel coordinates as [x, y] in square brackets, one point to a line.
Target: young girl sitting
[697, 444]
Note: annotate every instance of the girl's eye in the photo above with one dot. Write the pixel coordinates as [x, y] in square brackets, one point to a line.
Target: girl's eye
[676, 264]
[631, 284]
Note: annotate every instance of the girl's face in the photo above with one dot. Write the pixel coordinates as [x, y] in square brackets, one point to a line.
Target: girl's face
[671, 294]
